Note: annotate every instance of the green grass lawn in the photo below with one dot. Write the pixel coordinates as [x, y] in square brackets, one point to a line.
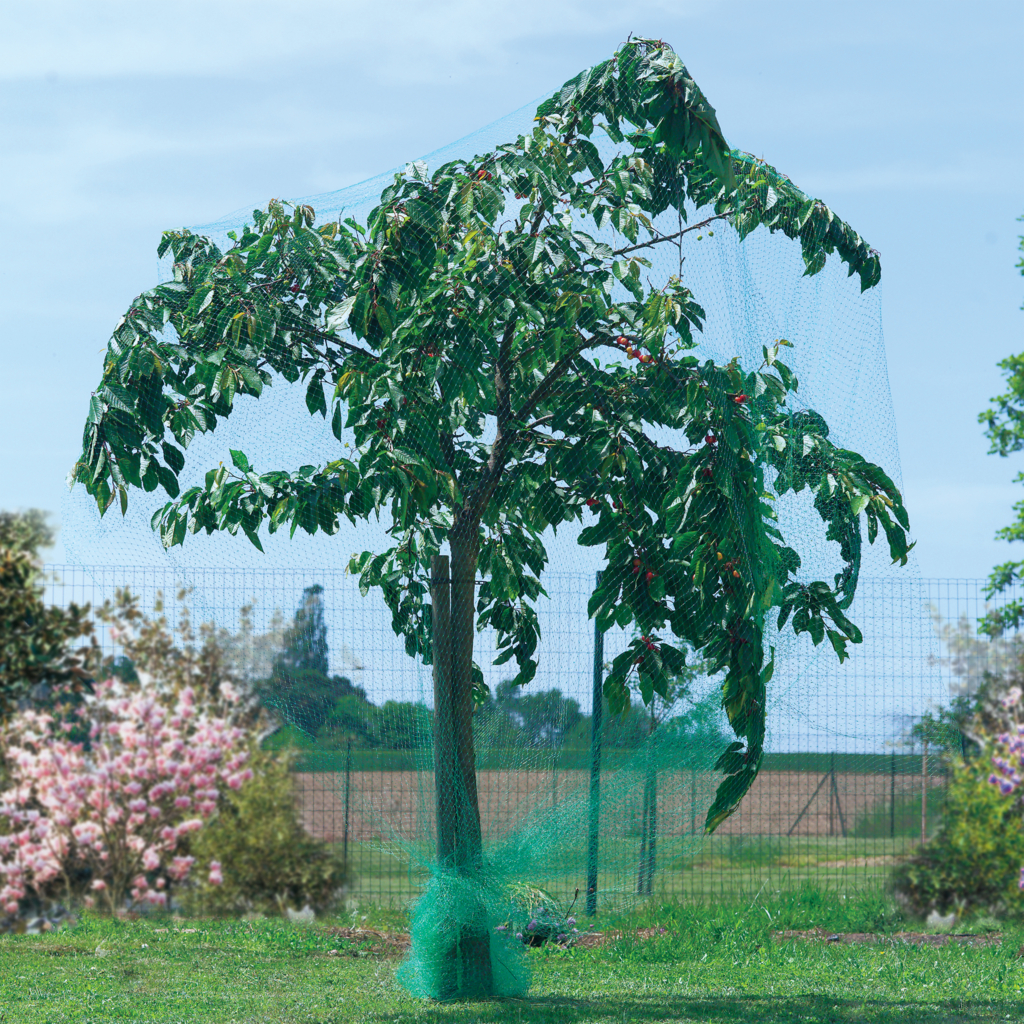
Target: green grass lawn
[714, 963]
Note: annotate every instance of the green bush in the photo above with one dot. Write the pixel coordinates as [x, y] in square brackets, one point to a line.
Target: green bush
[974, 861]
[268, 861]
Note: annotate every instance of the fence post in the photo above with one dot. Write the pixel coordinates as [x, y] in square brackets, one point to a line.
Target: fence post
[924, 794]
[693, 802]
[596, 715]
[348, 785]
[892, 796]
[831, 795]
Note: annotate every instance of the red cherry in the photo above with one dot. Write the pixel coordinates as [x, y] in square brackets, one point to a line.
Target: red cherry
[649, 576]
[622, 340]
[711, 439]
[740, 399]
[591, 502]
[294, 288]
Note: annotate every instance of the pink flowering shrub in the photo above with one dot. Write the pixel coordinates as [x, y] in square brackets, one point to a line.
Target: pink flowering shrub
[1008, 758]
[109, 820]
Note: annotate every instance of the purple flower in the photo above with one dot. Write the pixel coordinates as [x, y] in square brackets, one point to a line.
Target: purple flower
[533, 925]
[502, 928]
[561, 937]
[570, 920]
[519, 936]
[661, 931]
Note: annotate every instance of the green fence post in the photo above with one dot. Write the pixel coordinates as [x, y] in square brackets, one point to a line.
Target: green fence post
[892, 797]
[595, 766]
[348, 787]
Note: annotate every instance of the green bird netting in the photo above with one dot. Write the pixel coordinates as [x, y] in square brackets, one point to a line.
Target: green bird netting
[595, 410]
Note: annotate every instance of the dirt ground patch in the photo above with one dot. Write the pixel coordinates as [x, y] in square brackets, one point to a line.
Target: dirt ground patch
[588, 940]
[367, 941]
[910, 938]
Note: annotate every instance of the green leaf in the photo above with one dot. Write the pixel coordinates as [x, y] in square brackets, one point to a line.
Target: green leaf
[173, 457]
[315, 400]
[838, 642]
[240, 461]
[254, 540]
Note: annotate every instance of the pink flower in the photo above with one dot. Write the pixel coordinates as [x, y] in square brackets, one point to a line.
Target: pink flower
[216, 878]
[180, 867]
[66, 810]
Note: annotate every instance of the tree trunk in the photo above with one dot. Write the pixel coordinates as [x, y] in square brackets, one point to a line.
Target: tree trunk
[459, 841]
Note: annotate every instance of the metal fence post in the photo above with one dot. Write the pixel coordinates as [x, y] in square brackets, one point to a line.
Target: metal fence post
[595, 765]
[892, 797]
[348, 789]
[924, 793]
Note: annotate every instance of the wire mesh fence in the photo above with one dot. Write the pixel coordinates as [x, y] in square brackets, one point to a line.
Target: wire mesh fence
[845, 791]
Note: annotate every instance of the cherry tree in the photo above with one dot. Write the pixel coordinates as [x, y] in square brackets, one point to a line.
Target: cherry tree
[494, 340]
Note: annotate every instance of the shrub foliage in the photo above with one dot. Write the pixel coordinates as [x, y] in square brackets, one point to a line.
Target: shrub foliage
[268, 860]
[974, 860]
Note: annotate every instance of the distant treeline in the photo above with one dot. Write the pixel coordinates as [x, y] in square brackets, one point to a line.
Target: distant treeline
[326, 713]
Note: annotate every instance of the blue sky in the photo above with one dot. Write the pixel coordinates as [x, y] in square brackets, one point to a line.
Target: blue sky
[121, 119]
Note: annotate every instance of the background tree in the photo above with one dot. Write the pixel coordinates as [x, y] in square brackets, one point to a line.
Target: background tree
[514, 718]
[301, 690]
[37, 652]
[464, 335]
[1004, 427]
[986, 666]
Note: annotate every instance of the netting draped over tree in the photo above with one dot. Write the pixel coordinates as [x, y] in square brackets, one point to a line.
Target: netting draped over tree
[604, 341]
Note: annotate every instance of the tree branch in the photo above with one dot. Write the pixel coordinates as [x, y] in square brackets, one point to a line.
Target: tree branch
[669, 238]
[502, 376]
[539, 421]
[545, 387]
[324, 336]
